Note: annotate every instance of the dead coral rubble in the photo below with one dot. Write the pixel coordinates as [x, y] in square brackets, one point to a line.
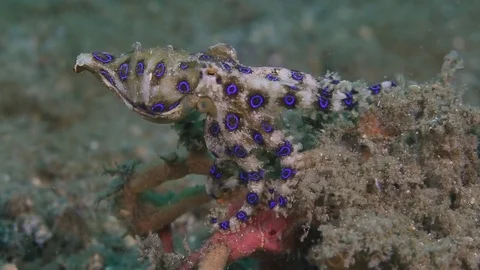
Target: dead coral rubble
[413, 201]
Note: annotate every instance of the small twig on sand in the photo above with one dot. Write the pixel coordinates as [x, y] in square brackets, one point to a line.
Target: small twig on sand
[167, 214]
[194, 163]
[139, 215]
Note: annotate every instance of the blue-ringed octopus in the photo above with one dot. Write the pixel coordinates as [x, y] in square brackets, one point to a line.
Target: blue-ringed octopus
[241, 104]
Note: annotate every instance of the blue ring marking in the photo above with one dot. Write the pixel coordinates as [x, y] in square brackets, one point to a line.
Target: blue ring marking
[285, 149]
[158, 108]
[214, 129]
[213, 220]
[325, 93]
[267, 127]
[204, 56]
[297, 75]
[226, 66]
[215, 172]
[256, 101]
[243, 176]
[287, 173]
[242, 215]
[159, 70]
[103, 57]
[272, 204]
[174, 105]
[282, 201]
[225, 225]
[107, 76]
[293, 87]
[183, 87]
[232, 121]
[335, 81]
[289, 100]
[348, 101]
[123, 71]
[244, 70]
[257, 137]
[252, 198]
[239, 151]
[323, 103]
[183, 65]
[375, 89]
[231, 89]
[254, 176]
[140, 68]
[272, 77]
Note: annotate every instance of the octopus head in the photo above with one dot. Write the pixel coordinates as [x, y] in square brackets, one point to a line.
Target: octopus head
[159, 84]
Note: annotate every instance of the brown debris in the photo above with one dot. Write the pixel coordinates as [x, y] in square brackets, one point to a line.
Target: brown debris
[141, 217]
[216, 258]
[17, 206]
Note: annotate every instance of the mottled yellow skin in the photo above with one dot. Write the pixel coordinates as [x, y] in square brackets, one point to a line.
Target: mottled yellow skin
[241, 105]
[146, 90]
